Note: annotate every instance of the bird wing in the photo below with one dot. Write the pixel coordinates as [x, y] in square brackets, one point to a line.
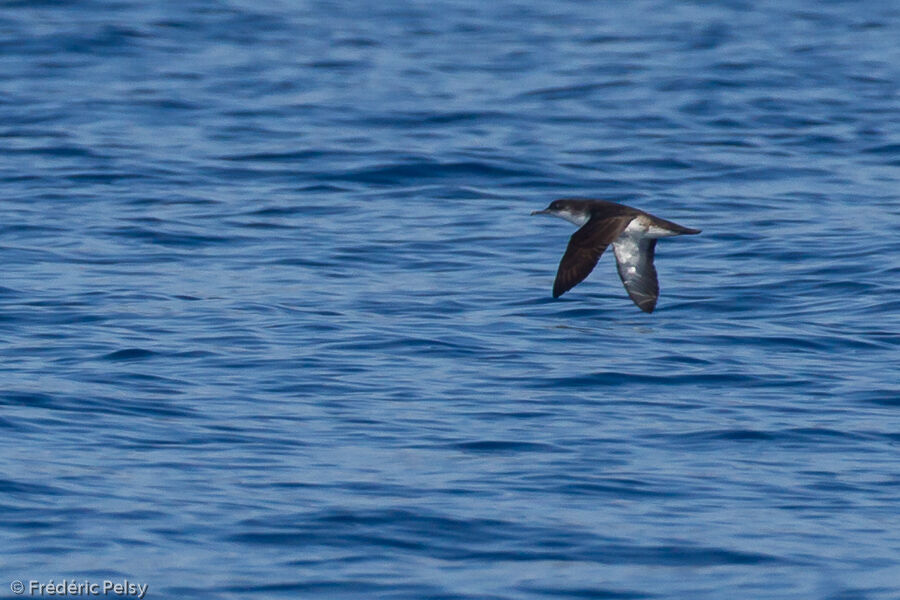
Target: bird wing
[634, 261]
[584, 250]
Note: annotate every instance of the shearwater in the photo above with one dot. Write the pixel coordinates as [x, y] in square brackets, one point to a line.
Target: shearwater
[632, 233]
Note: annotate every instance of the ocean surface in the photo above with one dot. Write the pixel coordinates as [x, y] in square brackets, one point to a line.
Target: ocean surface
[275, 321]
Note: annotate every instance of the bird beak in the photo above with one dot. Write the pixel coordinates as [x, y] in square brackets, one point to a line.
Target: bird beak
[540, 212]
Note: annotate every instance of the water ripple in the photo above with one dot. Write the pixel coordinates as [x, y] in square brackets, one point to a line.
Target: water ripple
[276, 320]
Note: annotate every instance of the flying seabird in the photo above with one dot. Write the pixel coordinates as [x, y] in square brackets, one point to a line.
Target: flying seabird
[632, 233]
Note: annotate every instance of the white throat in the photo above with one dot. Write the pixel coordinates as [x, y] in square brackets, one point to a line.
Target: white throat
[578, 219]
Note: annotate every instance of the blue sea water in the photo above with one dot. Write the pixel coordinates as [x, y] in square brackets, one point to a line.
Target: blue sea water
[275, 321]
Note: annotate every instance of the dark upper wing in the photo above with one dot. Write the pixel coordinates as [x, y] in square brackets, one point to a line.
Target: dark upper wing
[634, 261]
[584, 250]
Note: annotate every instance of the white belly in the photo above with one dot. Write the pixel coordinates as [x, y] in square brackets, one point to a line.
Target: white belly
[642, 227]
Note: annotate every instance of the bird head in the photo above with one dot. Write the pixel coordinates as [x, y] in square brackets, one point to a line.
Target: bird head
[570, 210]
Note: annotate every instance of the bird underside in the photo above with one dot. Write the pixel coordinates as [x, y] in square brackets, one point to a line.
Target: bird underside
[634, 249]
[634, 261]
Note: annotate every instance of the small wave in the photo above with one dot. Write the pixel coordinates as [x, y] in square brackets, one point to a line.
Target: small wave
[129, 354]
[494, 446]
